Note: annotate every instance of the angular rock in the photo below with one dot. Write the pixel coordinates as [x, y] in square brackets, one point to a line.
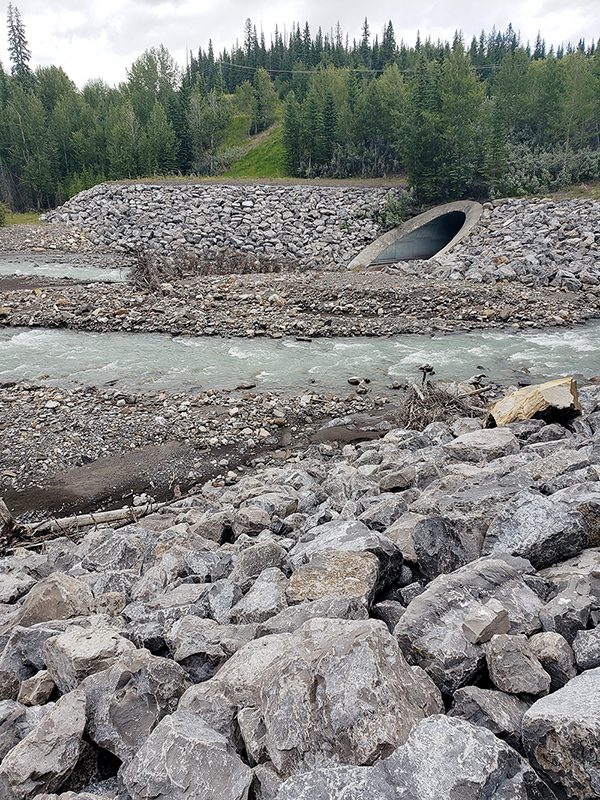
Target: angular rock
[566, 613]
[554, 401]
[36, 691]
[390, 612]
[513, 666]
[45, 758]
[442, 545]
[201, 646]
[293, 617]
[443, 758]
[586, 648]
[23, 654]
[537, 528]
[59, 596]
[556, 656]
[335, 689]
[401, 533]
[184, 758]
[127, 700]
[120, 551]
[9, 685]
[335, 574]
[72, 656]
[488, 620]
[380, 515]
[250, 520]
[253, 560]
[353, 537]
[14, 586]
[430, 632]
[266, 598]
[222, 596]
[483, 445]
[561, 734]
[499, 712]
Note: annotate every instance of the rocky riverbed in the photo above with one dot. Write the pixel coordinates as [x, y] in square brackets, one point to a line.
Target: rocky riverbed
[381, 613]
[413, 616]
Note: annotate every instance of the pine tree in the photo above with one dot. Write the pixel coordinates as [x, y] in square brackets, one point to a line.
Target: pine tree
[292, 135]
[20, 55]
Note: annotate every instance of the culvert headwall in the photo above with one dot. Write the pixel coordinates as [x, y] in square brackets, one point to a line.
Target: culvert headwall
[432, 233]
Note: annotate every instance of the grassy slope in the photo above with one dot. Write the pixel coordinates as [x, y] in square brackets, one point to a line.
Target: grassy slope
[264, 159]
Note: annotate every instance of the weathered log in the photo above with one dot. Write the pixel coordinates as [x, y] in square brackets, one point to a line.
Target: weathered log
[130, 513]
[554, 401]
[7, 523]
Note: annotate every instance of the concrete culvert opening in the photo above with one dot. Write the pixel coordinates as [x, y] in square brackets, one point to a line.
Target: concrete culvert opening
[422, 237]
[425, 241]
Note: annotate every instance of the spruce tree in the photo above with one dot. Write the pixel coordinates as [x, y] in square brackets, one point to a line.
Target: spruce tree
[20, 55]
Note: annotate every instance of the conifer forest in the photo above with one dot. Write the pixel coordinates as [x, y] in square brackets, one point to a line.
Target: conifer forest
[488, 117]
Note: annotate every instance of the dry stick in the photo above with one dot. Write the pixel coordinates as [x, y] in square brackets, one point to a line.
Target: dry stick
[475, 391]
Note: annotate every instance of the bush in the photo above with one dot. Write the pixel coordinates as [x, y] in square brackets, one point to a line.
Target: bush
[4, 212]
[396, 209]
[531, 170]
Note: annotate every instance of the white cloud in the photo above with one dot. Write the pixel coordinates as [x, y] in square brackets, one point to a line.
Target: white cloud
[104, 38]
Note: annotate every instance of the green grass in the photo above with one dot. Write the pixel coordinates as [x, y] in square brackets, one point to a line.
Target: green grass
[237, 131]
[30, 218]
[266, 160]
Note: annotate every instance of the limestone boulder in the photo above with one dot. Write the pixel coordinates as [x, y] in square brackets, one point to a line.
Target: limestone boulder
[538, 528]
[561, 735]
[266, 598]
[514, 667]
[127, 701]
[335, 690]
[293, 617]
[430, 632]
[59, 596]
[353, 537]
[185, 758]
[443, 758]
[72, 656]
[45, 758]
[483, 445]
[499, 712]
[555, 655]
[335, 573]
[553, 401]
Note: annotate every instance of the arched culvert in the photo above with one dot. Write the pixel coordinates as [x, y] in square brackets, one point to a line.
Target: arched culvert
[422, 237]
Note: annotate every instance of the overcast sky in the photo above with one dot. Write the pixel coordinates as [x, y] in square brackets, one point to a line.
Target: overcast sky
[101, 38]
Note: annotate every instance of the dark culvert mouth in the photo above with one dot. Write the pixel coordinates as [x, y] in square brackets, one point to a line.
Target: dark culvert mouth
[432, 233]
[425, 241]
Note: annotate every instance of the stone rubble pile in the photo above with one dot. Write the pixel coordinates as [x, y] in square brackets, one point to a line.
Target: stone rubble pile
[320, 227]
[409, 617]
[535, 242]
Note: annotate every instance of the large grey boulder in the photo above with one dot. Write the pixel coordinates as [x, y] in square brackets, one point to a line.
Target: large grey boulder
[23, 654]
[201, 646]
[483, 445]
[45, 758]
[556, 657]
[431, 634]
[538, 528]
[353, 537]
[184, 758]
[443, 758]
[73, 655]
[442, 545]
[499, 712]
[126, 701]
[266, 598]
[514, 667]
[335, 573]
[254, 560]
[119, 551]
[17, 721]
[584, 498]
[586, 648]
[293, 617]
[59, 596]
[561, 733]
[335, 690]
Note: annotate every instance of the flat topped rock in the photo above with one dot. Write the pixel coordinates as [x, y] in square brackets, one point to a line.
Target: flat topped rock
[554, 401]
